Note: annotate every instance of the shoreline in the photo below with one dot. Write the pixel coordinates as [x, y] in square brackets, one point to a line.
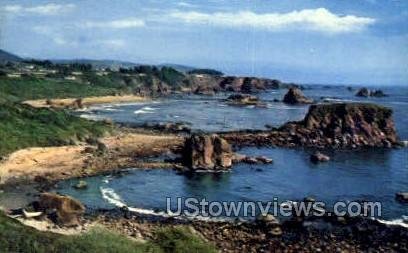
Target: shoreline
[86, 101]
[327, 234]
[123, 149]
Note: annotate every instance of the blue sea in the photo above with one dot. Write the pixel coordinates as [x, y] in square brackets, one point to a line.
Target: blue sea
[367, 175]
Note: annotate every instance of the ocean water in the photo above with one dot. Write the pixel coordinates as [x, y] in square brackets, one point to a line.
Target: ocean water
[369, 175]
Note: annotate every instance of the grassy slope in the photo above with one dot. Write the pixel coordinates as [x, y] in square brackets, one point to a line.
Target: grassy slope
[32, 88]
[22, 126]
[15, 237]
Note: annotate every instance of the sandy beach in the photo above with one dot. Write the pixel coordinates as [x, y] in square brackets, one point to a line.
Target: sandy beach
[87, 101]
[127, 149]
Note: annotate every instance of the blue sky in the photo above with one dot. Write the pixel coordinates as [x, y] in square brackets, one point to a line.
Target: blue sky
[306, 41]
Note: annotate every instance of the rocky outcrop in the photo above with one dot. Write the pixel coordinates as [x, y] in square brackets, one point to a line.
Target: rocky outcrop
[243, 84]
[295, 96]
[238, 158]
[63, 210]
[364, 92]
[402, 197]
[319, 157]
[343, 125]
[204, 84]
[244, 100]
[207, 152]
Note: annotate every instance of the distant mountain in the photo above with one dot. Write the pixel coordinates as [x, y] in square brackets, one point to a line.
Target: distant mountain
[6, 57]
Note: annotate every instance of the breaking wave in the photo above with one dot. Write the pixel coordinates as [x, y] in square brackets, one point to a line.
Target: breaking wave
[144, 110]
[113, 198]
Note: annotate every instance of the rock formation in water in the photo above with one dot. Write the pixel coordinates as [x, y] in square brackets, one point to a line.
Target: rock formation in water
[364, 92]
[295, 96]
[402, 197]
[244, 100]
[207, 152]
[319, 157]
[343, 125]
[63, 210]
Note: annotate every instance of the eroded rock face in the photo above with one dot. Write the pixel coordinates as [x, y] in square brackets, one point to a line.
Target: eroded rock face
[65, 210]
[295, 96]
[207, 152]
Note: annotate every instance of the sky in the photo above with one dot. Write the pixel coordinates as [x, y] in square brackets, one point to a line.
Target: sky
[303, 41]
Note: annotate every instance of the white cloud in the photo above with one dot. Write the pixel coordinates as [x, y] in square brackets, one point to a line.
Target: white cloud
[320, 20]
[185, 4]
[116, 24]
[47, 9]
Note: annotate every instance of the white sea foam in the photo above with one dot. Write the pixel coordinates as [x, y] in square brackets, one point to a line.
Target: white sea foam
[113, 198]
[91, 116]
[396, 222]
[144, 110]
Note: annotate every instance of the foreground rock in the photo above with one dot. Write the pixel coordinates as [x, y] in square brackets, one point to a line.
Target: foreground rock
[63, 210]
[343, 125]
[295, 96]
[207, 152]
[364, 92]
[319, 157]
[402, 197]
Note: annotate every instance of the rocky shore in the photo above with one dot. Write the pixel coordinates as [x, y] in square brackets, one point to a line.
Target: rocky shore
[299, 234]
[328, 233]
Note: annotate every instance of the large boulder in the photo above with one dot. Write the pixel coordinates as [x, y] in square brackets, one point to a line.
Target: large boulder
[63, 210]
[207, 152]
[295, 96]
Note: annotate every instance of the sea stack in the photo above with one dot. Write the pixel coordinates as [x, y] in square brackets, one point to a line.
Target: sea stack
[295, 96]
[207, 152]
